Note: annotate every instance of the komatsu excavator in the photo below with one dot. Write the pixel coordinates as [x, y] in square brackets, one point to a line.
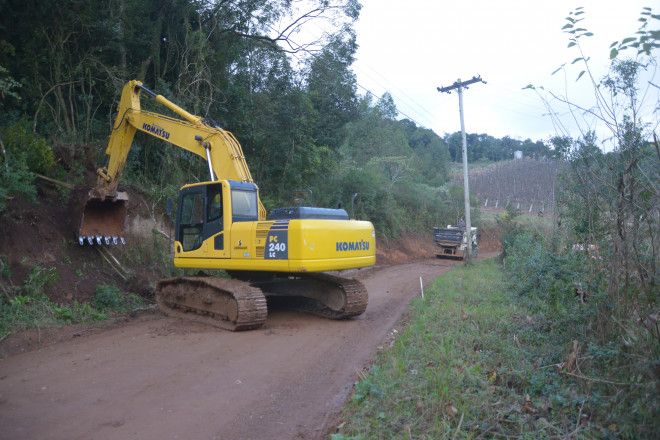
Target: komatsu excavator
[222, 224]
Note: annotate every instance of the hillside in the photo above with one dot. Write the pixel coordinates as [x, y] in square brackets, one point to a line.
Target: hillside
[526, 184]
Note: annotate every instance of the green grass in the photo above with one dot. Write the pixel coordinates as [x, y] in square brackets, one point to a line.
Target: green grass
[26, 306]
[477, 361]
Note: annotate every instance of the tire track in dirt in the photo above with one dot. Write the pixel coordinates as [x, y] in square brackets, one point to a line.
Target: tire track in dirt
[162, 378]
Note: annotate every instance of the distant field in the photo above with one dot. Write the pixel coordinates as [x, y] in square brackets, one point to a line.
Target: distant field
[489, 216]
[527, 184]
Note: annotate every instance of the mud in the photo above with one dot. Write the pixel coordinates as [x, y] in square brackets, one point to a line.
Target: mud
[163, 378]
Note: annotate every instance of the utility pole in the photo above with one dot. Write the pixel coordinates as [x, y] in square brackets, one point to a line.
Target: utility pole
[460, 85]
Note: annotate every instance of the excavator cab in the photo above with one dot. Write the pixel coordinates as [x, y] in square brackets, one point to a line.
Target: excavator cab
[206, 209]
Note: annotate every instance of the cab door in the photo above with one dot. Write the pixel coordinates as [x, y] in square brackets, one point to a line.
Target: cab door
[200, 228]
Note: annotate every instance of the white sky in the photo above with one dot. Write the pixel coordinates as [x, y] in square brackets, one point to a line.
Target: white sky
[410, 47]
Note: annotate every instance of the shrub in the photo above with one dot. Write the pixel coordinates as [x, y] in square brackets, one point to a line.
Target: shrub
[109, 298]
[536, 271]
[21, 142]
[15, 179]
[38, 279]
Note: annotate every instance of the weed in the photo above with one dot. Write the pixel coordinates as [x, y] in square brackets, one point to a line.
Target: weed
[19, 300]
[109, 298]
[479, 360]
[63, 313]
[38, 279]
[34, 309]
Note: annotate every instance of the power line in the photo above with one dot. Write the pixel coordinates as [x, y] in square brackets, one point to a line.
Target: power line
[410, 100]
[398, 111]
[410, 104]
[357, 83]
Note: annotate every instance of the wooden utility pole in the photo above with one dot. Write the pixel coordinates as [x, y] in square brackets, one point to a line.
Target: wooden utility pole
[460, 85]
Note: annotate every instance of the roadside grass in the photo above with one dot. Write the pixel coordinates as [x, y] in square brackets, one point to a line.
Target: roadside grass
[476, 361]
[26, 306]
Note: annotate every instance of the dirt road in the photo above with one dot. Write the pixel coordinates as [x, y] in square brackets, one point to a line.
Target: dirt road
[161, 378]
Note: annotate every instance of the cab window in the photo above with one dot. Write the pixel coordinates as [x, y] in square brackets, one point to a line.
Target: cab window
[244, 205]
[214, 211]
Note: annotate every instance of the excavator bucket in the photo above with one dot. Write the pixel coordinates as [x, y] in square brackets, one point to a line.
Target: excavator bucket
[103, 220]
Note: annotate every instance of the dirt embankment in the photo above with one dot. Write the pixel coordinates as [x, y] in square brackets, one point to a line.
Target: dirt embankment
[43, 235]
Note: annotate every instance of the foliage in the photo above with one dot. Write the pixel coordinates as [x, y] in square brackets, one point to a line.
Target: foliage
[15, 179]
[478, 360]
[27, 306]
[488, 148]
[38, 278]
[109, 298]
[536, 271]
[8, 86]
[608, 200]
[33, 150]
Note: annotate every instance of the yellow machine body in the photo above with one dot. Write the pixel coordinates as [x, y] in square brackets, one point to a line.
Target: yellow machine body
[285, 245]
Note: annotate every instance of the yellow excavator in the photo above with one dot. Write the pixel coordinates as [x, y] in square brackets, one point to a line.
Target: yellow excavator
[222, 224]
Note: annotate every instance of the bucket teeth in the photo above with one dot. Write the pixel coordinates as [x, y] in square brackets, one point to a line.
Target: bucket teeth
[101, 240]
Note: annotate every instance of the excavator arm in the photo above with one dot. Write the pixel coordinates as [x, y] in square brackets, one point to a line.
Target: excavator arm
[106, 208]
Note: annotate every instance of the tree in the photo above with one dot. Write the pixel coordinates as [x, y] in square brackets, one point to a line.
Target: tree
[332, 89]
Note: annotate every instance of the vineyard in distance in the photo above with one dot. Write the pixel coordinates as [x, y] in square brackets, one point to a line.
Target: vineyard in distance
[527, 184]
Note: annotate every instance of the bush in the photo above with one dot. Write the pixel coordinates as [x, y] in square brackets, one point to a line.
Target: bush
[109, 298]
[15, 179]
[26, 146]
[536, 271]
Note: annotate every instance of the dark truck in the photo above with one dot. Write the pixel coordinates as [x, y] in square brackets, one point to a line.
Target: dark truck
[452, 241]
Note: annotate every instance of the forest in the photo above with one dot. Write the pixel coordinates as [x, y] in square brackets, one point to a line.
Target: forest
[308, 136]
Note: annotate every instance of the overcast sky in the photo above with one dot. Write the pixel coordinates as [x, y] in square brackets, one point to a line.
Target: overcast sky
[410, 47]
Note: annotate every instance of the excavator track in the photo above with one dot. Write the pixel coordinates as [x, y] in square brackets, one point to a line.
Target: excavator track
[229, 304]
[321, 294]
